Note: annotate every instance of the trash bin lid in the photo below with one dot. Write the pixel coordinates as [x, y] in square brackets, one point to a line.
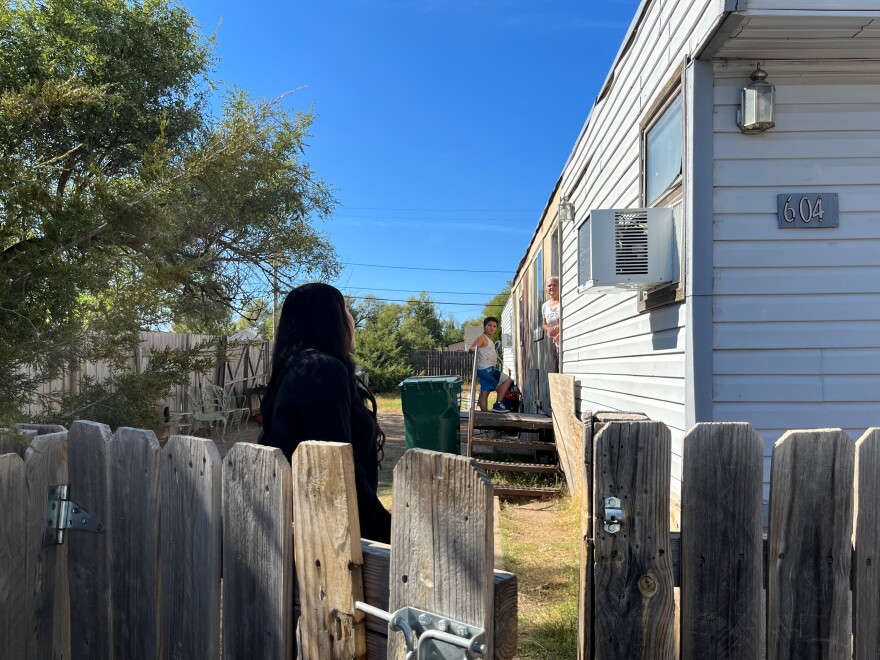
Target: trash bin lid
[415, 381]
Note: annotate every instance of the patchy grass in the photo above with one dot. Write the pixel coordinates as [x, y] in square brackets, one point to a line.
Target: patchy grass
[384, 493]
[541, 544]
[389, 403]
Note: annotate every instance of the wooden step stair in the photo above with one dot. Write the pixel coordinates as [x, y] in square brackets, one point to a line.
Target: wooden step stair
[503, 444]
[511, 466]
[510, 421]
[506, 492]
[537, 432]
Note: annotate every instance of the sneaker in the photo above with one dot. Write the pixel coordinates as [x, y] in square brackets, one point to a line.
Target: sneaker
[500, 407]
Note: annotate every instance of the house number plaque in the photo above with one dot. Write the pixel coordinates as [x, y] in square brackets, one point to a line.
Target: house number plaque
[807, 210]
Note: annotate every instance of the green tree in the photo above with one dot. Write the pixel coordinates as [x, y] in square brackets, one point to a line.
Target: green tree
[493, 308]
[124, 204]
[452, 333]
[387, 333]
[421, 329]
[379, 349]
[257, 315]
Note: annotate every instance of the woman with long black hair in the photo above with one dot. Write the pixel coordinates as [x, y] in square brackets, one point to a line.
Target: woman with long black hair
[313, 393]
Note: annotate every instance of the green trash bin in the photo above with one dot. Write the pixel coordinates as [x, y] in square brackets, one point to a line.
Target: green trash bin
[431, 412]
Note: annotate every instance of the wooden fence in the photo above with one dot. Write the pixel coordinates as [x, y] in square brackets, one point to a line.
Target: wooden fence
[246, 365]
[807, 586]
[183, 530]
[442, 363]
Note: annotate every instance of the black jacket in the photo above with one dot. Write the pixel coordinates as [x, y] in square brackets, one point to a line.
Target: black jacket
[317, 400]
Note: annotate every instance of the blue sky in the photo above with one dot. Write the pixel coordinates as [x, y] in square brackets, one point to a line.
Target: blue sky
[442, 125]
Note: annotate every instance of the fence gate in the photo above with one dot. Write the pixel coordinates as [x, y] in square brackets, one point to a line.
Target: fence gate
[176, 530]
[811, 574]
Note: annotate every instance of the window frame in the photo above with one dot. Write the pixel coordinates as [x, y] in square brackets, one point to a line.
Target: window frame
[666, 294]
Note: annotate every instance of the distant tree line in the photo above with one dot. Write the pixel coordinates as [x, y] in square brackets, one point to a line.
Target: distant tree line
[387, 332]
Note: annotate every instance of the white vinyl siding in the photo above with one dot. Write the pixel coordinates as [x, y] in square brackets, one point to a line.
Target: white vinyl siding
[621, 359]
[796, 312]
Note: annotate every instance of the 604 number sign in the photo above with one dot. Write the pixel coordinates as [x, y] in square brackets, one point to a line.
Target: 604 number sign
[807, 210]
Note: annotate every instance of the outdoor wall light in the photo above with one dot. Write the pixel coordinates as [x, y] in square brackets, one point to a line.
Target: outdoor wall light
[565, 212]
[758, 108]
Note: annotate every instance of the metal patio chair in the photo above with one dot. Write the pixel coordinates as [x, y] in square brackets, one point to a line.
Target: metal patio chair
[210, 405]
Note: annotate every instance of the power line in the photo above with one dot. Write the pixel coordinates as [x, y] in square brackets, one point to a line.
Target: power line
[452, 293]
[444, 270]
[399, 300]
[432, 219]
[386, 208]
[434, 302]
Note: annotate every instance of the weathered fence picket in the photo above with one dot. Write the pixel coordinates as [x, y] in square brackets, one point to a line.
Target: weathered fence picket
[14, 618]
[866, 586]
[809, 550]
[134, 541]
[190, 505]
[721, 552]
[47, 591]
[89, 560]
[16, 444]
[633, 581]
[442, 547]
[257, 554]
[328, 552]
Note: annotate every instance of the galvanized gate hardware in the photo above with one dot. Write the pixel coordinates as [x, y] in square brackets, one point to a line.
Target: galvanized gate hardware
[63, 514]
[613, 515]
[429, 636]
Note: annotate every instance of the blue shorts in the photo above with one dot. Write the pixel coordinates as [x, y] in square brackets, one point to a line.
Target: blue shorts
[490, 377]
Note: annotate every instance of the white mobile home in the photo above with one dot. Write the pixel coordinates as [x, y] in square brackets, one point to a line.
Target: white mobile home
[766, 307]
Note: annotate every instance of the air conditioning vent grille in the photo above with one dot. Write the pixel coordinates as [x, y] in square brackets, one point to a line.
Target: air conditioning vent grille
[631, 243]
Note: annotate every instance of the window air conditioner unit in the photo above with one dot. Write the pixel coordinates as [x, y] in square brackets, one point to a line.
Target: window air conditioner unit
[622, 249]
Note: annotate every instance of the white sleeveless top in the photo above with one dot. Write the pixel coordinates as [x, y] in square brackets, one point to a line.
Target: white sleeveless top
[551, 316]
[487, 356]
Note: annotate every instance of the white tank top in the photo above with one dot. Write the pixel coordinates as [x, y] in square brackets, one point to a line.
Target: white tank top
[486, 356]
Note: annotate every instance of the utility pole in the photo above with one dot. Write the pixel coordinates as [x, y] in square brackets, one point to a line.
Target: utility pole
[274, 296]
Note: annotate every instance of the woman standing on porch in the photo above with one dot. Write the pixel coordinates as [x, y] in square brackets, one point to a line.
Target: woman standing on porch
[313, 393]
[550, 312]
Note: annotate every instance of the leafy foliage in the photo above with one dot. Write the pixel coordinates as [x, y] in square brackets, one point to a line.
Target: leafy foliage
[124, 204]
[129, 398]
[388, 332]
[493, 308]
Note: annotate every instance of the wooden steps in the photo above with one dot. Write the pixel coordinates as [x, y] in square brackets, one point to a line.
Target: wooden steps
[510, 466]
[510, 421]
[503, 454]
[506, 492]
[502, 444]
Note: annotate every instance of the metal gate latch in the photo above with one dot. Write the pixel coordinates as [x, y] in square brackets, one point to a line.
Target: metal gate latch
[613, 515]
[429, 636]
[63, 514]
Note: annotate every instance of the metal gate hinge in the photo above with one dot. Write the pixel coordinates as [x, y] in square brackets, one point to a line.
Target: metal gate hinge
[63, 514]
[613, 515]
[430, 636]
